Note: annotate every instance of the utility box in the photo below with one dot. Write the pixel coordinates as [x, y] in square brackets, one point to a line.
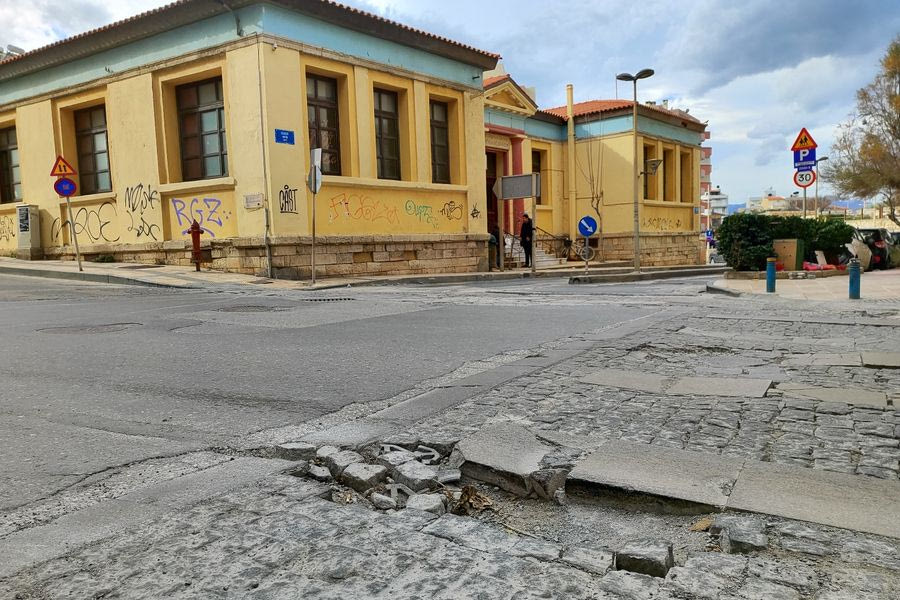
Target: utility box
[790, 253]
[29, 235]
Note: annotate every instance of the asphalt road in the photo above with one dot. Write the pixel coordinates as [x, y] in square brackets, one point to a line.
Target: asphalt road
[96, 376]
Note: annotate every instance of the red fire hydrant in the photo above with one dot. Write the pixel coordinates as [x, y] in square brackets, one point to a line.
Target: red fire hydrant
[195, 231]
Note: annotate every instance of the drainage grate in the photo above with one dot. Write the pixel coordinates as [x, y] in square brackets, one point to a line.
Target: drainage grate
[90, 329]
[325, 299]
[252, 308]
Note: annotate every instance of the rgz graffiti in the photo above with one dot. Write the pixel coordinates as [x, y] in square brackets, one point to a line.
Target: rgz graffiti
[203, 210]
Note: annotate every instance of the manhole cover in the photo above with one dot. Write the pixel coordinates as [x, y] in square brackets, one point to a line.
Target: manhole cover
[88, 329]
[250, 308]
[325, 299]
[141, 267]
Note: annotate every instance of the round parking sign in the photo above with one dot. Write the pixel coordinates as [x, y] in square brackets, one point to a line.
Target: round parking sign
[65, 187]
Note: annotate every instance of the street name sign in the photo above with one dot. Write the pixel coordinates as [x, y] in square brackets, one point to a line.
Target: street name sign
[518, 186]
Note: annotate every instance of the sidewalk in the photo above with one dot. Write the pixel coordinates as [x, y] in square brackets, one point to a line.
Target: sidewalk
[874, 285]
[188, 278]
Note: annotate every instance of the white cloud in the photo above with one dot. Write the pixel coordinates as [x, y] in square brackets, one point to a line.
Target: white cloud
[757, 70]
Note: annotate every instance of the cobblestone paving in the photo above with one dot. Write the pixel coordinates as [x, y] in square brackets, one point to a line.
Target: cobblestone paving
[279, 539]
[835, 436]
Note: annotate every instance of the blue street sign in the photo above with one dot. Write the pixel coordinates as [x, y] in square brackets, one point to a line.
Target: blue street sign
[805, 158]
[65, 187]
[587, 226]
[284, 136]
[806, 167]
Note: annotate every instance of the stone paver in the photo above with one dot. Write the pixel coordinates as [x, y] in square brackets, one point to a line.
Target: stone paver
[629, 380]
[717, 386]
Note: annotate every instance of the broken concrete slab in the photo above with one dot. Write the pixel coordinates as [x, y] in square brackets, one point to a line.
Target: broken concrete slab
[592, 560]
[648, 557]
[431, 503]
[693, 477]
[295, 451]
[415, 475]
[338, 461]
[382, 502]
[629, 380]
[395, 458]
[721, 386]
[503, 454]
[881, 360]
[741, 535]
[362, 476]
[824, 359]
[841, 500]
[833, 394]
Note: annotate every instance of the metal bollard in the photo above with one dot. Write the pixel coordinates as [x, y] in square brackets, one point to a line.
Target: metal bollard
[770, 275]
[854, 278]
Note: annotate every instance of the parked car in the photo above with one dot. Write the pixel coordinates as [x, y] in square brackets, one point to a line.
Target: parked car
[885, 252]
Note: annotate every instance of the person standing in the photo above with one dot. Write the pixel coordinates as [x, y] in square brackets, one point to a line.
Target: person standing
[526, 235]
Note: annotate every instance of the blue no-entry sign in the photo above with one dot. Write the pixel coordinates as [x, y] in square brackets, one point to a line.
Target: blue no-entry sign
[587, 226]
[65, 187]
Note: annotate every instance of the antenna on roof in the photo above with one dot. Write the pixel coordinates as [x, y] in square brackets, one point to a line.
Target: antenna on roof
[14, 49]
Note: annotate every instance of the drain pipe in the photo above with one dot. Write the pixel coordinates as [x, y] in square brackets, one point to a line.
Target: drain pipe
[237, 20]
[265, 156]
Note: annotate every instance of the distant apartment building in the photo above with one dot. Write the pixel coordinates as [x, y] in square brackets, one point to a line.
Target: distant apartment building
[714, 206]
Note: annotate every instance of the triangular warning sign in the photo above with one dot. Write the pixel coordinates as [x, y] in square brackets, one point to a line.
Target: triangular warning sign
[804, 141]
[62, 168]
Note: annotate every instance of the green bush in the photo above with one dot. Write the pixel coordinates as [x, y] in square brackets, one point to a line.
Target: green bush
[831, 236]
[745, 241]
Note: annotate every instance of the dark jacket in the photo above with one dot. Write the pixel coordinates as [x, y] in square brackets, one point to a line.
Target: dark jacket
[527, 232]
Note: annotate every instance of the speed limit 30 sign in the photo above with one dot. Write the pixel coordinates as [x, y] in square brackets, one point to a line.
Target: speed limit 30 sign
[804, 179]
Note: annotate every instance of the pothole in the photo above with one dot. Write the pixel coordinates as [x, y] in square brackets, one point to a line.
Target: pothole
[89, 329]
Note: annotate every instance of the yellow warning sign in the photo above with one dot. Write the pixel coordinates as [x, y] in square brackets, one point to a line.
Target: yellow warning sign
[804, 141]
[62, 168]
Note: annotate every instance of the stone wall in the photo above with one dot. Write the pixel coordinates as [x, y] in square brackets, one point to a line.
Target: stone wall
[657, 249]
[291, 256]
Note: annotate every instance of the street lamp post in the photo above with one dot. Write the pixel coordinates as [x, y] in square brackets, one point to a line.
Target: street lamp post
[818, 160]
[642, 74]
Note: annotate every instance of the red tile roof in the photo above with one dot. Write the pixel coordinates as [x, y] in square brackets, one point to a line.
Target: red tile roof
[492, 81]
[236, 4]
[592, 107]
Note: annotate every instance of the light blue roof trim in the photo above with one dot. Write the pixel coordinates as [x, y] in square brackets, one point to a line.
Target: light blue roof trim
[622, 124]
[503, 119]
[308, 30]
[177, 42]
[543, 129]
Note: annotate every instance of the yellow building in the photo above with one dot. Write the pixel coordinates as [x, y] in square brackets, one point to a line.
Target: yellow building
[598, 180]
[205, 110]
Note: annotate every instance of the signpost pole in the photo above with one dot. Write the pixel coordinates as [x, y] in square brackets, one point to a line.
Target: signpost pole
[313, 255]
[804, 203]
[501, 243]
[586, 256]
[73, 234]
[533, 232]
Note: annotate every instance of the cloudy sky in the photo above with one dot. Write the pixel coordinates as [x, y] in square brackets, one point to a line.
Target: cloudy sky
[758, 70]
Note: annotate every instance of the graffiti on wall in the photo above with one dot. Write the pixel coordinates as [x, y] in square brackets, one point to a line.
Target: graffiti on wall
[7, 228]
[475, 212]
[660, 224]
[453, 211]
[423, 212]
[359, 207]
[207, 212]
[287, 199]
[91, 221]
[138, 201]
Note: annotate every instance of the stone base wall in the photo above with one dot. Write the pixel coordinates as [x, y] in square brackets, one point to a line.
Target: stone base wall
[657, 249]
[291, 256]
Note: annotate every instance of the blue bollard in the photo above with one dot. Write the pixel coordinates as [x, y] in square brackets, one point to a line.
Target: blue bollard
[854, 278]
[770, 275]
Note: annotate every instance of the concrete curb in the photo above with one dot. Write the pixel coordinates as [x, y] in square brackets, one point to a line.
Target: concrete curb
[91, 277]
[715, 289]
[647, 276]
